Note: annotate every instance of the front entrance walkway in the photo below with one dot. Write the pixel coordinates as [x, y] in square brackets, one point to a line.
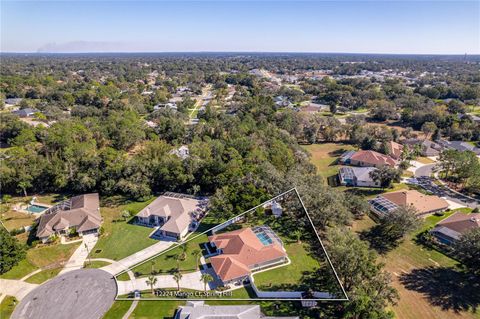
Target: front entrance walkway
[78, 258]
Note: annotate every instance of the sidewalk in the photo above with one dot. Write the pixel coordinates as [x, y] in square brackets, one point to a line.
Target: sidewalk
[138, 257]
[15, 288]
[189, 281]
[78, 258]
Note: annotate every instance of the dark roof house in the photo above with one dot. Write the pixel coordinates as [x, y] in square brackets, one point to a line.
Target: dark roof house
[81, 213]
[452, 228]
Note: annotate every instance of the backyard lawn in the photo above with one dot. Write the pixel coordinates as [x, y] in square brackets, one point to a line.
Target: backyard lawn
[418, 271]
[301, 261]
[166, 262]
[51, 256]
[120, 238]
[324, 157]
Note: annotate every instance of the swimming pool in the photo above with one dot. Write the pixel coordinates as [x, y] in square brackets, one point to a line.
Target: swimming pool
[35, 209]
[264, 239]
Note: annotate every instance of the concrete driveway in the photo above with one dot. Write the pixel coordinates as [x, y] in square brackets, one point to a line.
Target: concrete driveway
[78, 294]
[127, 262]
[79, 256]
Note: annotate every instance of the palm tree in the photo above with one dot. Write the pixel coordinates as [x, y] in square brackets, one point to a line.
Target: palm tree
[183, 255]
[177, 276]
[197, 253]
[206, 278]
[151, 281]
[153, 266]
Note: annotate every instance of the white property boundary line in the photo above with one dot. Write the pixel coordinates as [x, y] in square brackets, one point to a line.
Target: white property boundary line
[178, 244]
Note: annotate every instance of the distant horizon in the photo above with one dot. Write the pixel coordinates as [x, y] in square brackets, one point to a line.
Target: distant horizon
[243, 52]
[364, 27]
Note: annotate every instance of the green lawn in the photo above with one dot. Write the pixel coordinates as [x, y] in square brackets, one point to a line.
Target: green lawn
[96, 264]
[411, 256]
[43, 276]
[118, 309]
[7, 306]
[155, 309]
[42, 256]
[166, 262]
[324, 157]
[121, 239]
[301, 261]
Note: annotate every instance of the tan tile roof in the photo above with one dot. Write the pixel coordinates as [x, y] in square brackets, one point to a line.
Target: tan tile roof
[460, 222]
[84, 214]
[421, 202]
[373, 157]
[395, 149]
[177, 209]
[241, 251]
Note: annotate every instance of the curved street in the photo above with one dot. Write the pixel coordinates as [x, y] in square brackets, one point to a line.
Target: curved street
[77, 294]
[423, 179]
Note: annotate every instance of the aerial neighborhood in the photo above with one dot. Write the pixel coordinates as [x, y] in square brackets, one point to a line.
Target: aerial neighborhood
[239, 186]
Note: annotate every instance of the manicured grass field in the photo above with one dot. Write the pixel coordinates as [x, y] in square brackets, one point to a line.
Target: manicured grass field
[324, 157]
[7, 306]
[301, 261]
[40, 257]
[119, 238]
[167, 261]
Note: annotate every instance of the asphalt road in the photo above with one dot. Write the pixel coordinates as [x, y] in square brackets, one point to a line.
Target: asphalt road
[422, 174]
[424, 170]
[79, 294]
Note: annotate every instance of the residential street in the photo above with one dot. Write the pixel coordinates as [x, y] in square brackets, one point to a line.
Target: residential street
[78, 294]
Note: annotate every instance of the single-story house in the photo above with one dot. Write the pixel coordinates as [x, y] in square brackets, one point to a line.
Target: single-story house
[176, 214]
[198, 310]
[27, 112]
[459, 146]
[428, 148]
[357, 176]
[80, 213]
[395, 150]
[424, 204]
[242, 251]
[452, 228]
[345, 157]
[371, 159]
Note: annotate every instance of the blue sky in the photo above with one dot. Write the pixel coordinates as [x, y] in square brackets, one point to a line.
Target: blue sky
[425, 27]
